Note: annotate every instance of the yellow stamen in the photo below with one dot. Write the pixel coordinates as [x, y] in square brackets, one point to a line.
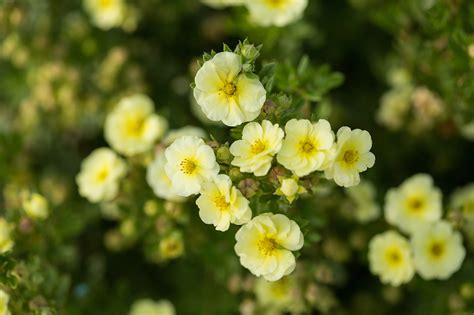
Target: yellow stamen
[188, 166]
[351, 157]
[229, 89]
[415, 204]
[267, 246]
[437, 249]
[307, 146]
[135, 126]
[258, 146]
[221, 203]
[394, 257]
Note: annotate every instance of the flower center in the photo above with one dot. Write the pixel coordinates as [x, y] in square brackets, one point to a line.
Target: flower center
[267, 246]
[229, 88]
[415, 204]
[350, 157]
[307, 146]
[135, 126]
[437, 249]
[394, 257]
[258, 147]
[275, 3]
[102, 175]
[221, 203]
[188, 166]
[105, 3]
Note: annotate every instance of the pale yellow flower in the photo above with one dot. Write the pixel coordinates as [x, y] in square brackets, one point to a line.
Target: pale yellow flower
[172, 246]
[390, 258]
[36, 206]
[225, 93]
[260, 142]
[438, 250]
[363, 195]
[106, 14]
[278, 295]
[414, 203]
[307, 146]
[190, 162]
[221, 204]
[352, 156]
[100, 175]
[463, 200]
[265, 245]
[223, 3]
[276, 12]
[6, 241]
[290, 188]
[159, 180]
[150, 307]
[132, 127]
[4, 298]
[394, 107]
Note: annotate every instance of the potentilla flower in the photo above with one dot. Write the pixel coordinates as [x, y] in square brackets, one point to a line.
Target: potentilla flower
[223, 3]
[363, 195]
[352, 156]
[265, 245]
[6, 241]
[4, 298]
[390, 258]
[438, 250]
[278, 295]
[307, 146]
[276, 12]
[175, 134]
[463, 200]
[106, 14]
[150, 307]
[414, 203]
[227, 94]
[133, 127]
[159, 180]
[100, 175]
[190, 162]
[260, 142]
[290, 188]
[36, 206]
[221, 204]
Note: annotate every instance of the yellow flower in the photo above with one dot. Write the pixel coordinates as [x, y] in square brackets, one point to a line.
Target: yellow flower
[159, 180]
[276, 295]
[225, 93]
[100, 175]
[106, 14]
[222, 3]
[6, 242]
[438, 251]
[150, 307]
[172, 246]
[221, 203]
[306, 147]
[173, 135]
[352, 156]
[290, 188]
[260, 142]
[276, 12]
[390, 258]
[36, 206]
[4, 298]
[463, 200]
[133, 127]
[189, 163]
[265, 245]
[414, 203]
[363, 195]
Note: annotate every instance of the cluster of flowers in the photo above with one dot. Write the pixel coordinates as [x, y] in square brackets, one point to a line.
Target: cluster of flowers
[228, 91]
[435, 251]
[267, 12]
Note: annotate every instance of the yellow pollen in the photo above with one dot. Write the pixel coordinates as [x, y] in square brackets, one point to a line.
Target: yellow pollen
[415, 204]
[229, 89]
[394, 257]
[135, 126]
[188, 166]
[102, 174]
[258, 147]
[307, 146]
[351, 157]
[267, 246]
[221, 203]
[437, 249]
